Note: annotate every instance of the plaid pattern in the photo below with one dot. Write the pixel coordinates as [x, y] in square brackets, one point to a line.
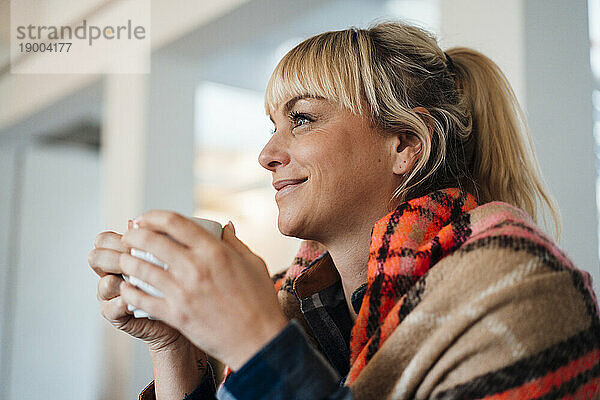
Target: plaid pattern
[404, 245]
[469, 301]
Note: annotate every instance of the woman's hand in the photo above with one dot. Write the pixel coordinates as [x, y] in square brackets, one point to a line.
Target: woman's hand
[178, 365]
[104, 260]
[216, 292]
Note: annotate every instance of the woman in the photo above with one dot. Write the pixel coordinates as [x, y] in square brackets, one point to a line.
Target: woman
[410, 175]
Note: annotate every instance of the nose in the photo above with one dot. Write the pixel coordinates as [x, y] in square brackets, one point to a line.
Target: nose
[274, 154]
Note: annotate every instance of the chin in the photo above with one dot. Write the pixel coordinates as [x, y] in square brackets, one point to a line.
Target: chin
[286, 228]
[288, 225]
[292, 227]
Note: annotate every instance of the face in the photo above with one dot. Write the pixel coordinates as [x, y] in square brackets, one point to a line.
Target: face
[332, 170]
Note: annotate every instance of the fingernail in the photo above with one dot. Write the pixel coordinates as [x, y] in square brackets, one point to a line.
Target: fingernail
[230, 224]
[135, 223]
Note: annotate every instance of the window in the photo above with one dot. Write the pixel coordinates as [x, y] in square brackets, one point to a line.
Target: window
[231, 129]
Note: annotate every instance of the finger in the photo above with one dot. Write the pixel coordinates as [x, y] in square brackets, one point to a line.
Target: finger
[109, 240]
[180, 228]
[165, 249]
[108, 287]
[142, 301]
[232, 240]
[240, 247]
[149, 273]
[114, 309]
[104, 261]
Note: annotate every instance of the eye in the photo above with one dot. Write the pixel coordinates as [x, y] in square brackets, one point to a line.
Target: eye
[299, 119]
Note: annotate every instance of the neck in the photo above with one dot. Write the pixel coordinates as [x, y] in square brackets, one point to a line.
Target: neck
[349, 245]
[350, 255]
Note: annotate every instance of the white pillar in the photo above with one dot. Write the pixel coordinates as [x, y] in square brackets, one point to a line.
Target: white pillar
[169, 172]
[11, 170]
[123, 149]
[169, 159]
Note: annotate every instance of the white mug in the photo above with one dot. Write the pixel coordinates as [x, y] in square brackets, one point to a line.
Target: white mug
[212, 227]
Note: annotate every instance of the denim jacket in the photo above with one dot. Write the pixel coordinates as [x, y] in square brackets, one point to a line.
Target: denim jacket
[289, 366]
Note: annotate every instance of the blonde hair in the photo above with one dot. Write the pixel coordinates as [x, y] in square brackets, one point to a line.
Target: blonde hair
[479, 140]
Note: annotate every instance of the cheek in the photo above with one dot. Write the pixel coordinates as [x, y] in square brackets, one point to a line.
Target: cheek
[333, 174]
[359, 176]
[329, 154]
[342, 167]
[341, 180]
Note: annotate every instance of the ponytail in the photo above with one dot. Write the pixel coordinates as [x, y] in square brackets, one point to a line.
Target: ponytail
[504, 164]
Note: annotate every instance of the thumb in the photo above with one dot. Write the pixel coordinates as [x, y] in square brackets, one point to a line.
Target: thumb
[241, 248]
[230, 238]
[232, 228]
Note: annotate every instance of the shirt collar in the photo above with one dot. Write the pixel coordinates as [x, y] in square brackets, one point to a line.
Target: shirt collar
[320, 274]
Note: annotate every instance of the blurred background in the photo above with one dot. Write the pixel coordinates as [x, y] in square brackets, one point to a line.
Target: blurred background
[82, 153]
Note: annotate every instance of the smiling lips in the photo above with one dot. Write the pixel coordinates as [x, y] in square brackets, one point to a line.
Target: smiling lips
[286, 182]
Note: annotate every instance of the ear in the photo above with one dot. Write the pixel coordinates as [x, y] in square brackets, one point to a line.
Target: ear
[406, 151]
[407, 147]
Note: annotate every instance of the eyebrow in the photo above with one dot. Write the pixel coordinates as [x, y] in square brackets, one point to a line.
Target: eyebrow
[290, 103]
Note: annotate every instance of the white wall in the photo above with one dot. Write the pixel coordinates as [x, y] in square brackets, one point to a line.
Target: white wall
[495, 28]
[57, 326]
[559, 107]
[543, 48]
